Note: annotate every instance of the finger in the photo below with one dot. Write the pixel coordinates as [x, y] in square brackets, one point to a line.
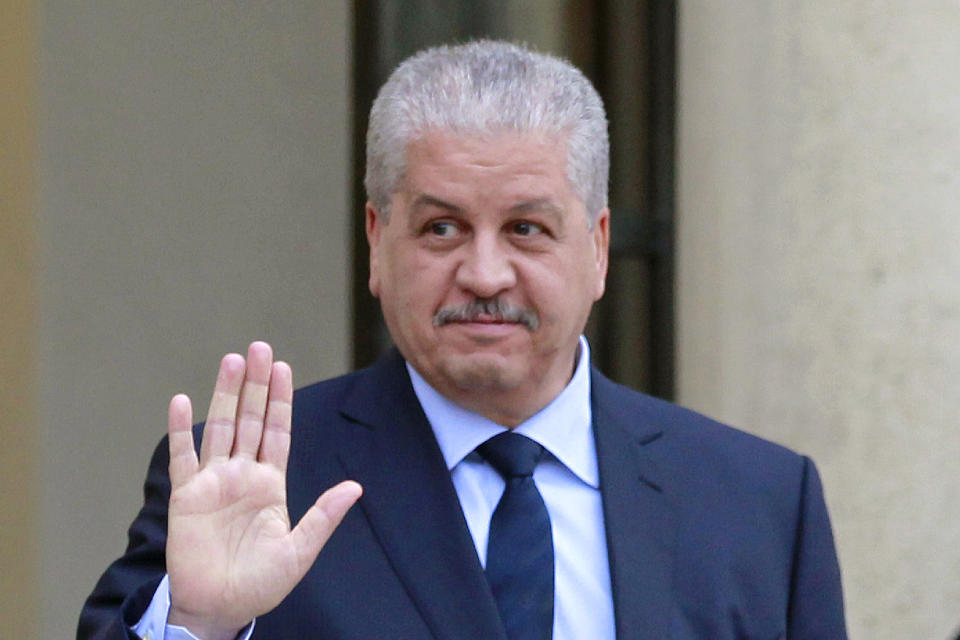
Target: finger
[222, 416]
[275, 446]
[183, 456]
[253, 400]
[318, 523]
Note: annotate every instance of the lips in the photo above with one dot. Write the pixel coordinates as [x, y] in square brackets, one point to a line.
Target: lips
[486, 331]
[488, 319]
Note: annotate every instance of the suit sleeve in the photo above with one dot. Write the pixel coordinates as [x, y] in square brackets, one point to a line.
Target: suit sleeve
[126, 588]
[816, 597]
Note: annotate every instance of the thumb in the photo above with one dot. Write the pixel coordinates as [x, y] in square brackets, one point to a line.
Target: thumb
[319, 522]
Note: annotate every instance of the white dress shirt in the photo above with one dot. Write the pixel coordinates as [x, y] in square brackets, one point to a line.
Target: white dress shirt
[568, 480]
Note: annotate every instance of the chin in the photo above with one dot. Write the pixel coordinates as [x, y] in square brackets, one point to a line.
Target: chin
[483, 373]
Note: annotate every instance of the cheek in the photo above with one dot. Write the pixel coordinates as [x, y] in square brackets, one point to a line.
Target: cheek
[563, 290]
[416, 279]
[551, 281]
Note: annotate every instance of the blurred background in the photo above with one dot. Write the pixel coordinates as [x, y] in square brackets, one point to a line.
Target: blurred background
[178, 179]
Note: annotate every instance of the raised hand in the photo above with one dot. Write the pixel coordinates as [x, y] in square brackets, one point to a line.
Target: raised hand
[231, 554]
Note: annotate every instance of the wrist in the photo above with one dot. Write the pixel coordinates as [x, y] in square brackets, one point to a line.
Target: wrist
[202, 629]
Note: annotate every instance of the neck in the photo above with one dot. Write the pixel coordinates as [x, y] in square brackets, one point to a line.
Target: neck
[509, 406]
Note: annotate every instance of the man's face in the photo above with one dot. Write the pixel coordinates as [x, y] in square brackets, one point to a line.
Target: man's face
[487, 269]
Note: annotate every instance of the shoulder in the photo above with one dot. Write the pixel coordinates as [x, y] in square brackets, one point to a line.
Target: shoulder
[382, 382]
[694, 444]
[326, 394]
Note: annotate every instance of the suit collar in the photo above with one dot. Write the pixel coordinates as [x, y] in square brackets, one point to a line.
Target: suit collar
[412, 505]
[414, 510]
[639, 514]
[564, 427]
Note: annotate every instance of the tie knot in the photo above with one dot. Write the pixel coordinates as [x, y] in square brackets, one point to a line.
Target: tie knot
[511, 454]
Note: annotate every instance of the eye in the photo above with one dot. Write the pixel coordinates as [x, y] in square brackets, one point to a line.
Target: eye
[527, 228]
[442, 229]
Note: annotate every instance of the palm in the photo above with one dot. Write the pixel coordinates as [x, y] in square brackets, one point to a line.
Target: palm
[231, 517]
[231, 554]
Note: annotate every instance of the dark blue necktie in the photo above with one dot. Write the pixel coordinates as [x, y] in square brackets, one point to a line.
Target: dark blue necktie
[520, 548]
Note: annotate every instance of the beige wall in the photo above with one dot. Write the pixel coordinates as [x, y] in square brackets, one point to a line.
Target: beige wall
[192, 181]
[18, 453]
[194, 163]
[819, 270]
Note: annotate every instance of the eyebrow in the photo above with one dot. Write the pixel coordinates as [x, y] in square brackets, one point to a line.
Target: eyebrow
[540, 205]
[424, 200]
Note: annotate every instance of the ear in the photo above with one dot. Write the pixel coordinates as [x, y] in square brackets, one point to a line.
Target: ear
[601, 245]
[374, 227]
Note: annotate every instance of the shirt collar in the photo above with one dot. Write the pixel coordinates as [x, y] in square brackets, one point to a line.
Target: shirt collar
[563, 427]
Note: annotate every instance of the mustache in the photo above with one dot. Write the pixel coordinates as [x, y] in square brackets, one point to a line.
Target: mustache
[487, 309]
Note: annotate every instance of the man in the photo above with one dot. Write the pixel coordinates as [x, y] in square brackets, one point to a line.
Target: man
[623, 516]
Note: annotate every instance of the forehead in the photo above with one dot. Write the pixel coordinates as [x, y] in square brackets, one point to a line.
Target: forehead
[498, 162]
[507, 150]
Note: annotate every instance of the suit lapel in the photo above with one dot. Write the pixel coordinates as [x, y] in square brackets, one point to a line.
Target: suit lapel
[413, 507]
[639, 517]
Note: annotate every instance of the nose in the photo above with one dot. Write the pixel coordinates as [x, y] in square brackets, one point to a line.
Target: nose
[486, 268]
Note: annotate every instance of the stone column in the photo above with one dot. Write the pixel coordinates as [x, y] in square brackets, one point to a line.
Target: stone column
[819, 271]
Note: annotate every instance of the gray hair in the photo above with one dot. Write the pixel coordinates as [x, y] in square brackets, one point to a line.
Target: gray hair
[483, 87]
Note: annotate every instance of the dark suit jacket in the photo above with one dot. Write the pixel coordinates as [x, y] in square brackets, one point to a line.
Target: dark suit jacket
[713, 534]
